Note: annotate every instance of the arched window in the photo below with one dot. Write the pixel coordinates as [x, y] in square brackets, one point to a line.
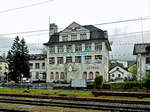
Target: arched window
[84, 76]
[113, 75]
[62, 76]
[91, 76]
[96, 73]
[57, 76]
[119, 75]
[52, 76]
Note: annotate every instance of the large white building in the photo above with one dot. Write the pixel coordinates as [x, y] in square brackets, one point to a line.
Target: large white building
[142, 52]
[77, 52]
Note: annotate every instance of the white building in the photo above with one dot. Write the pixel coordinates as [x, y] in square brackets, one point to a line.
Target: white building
[38, 67]
[118, 72]
[77, 52]
[142, 52]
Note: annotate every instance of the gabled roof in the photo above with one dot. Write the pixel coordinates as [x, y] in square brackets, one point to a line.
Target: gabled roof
[95, 33]
[113, 65]
[142, 48]
[1, 59]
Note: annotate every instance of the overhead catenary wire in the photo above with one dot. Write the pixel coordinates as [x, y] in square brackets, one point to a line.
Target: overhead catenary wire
[26, 6]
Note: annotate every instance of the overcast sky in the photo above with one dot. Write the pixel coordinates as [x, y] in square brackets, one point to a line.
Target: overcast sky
[64, 12]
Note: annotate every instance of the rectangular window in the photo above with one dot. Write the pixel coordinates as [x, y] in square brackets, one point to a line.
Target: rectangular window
[44, 76]
[37, 65]
[147, 60]
[59, 60]
[83, 36]
[52, 49]
[98, 58]
[78, 48]
[78, 59]
[64, 38]
[87, 47]
[31, 65]
[60, 49]
[74, 37]
[52, 60]
[69, 48]
[43, 65]
[88, 59]
[98, 46]
[37, 75]
[68, 59]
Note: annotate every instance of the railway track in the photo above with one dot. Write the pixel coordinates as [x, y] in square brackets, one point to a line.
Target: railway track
[111, 105]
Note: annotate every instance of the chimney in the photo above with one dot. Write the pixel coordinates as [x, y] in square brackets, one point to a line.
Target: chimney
[105, 34]
[52, 29]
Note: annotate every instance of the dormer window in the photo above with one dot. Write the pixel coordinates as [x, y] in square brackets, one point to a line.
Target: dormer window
[65, 38]
[83, 36]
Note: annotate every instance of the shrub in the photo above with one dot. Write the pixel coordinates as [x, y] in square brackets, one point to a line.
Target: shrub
[98, 82]
[147, 83]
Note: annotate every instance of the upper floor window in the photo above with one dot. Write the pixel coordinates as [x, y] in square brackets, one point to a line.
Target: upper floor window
[60, 49]
[31, 65]
[52, 60]
[98, 58]
[74, 37]
[83, 36]
[69, 48]
[98, 46]
[87, 47]
[37, 65]
[78, 47]
[147, 60]
[60, 60]
[78, 59]
[88, 59]
[52, 49]
[43, 65]
[68, 59]
[64, 38]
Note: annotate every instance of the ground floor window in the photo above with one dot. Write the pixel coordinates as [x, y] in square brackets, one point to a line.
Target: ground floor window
[57, 76]
[62, 76]
[91, 76]
[37, 75]
[52, 76]
[96, 73]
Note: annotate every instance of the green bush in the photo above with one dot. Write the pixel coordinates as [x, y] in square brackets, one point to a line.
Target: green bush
[98, 82]
[146, 83]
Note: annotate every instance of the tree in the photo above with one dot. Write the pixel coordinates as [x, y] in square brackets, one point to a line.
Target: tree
[98, 82]
[18, 60]
[133, 70]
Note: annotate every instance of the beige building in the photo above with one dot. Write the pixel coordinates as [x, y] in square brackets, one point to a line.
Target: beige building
[3, 69]
[77, 52]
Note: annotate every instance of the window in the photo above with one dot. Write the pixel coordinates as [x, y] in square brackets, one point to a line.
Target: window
[37, 75]
[83, 36]
[74, 37]
[68, 59]
[88, 59]
[96, 73]
[84, 76]
[64, 38]
[52, 60]
[52, 49]
[60, 49]
[78, 47]
[62, 76]
[37, 65]
[43, 65]
[59, 60]
[91, 76]
[69, 48]
[87, 47]
[30, 74]
[98, 58]
[119, 75]
[147, 60]
[57, 76]
[52, 76]
[98, 46]
[78, 59]
[113, 75]
[30, 65]
[44, 75]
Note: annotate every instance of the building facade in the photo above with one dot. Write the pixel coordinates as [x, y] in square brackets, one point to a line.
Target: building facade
[142, 52]
[77, 52]
[3, 69]
[38, 67]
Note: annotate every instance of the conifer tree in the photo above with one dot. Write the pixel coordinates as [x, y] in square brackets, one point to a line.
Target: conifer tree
[18, 60]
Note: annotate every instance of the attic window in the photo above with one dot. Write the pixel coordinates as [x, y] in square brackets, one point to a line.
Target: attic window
[117, 68]
[147, 48]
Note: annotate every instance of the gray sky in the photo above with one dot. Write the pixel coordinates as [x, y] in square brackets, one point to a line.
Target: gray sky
[64, 12]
